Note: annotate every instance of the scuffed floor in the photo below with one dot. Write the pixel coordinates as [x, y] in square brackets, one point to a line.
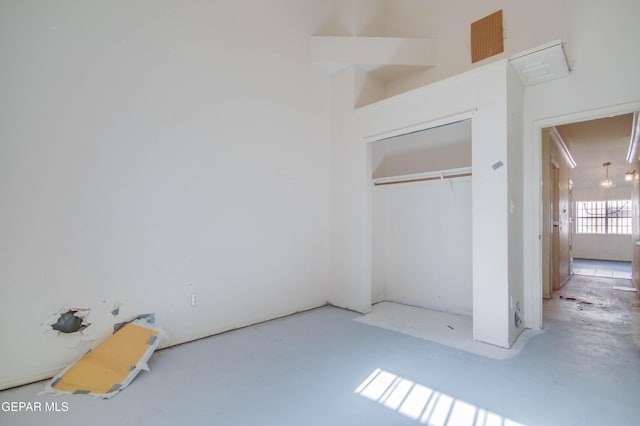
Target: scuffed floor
[323, 368]
[601, 324]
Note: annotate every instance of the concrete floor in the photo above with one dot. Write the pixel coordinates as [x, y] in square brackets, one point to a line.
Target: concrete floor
[323, 368]
[452, 330]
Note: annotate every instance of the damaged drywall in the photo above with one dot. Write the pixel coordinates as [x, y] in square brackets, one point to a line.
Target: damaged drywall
[68, 320]
[149, 318]
[108, 368]
[116, 309]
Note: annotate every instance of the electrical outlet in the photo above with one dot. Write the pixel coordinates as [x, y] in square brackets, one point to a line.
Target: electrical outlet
[195, 300]
[517, 319]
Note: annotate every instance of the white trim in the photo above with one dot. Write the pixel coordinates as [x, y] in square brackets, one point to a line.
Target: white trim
[591, 114]
[443, 121]
[537, 49]
[633, 142]
[562, 146]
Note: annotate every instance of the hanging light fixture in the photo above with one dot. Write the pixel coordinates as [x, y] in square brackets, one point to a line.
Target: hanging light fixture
[629, 176]
[606, 182]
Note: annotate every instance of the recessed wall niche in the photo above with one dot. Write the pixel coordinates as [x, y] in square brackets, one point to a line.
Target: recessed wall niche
[422, 219]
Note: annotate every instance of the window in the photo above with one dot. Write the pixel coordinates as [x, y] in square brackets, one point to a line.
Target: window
[603, 217]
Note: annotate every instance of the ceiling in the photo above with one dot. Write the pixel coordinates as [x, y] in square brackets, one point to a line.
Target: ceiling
[595, 142]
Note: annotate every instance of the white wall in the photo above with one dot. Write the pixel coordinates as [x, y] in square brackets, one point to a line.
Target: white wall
[148, 151]
[379, 227]
[426, 235]
[351, 222]
[481, 93]
[515, 111]
[603, 82]
[526, 25]
[603, 247]
[635, 199]
[598, 246]
[490, 207]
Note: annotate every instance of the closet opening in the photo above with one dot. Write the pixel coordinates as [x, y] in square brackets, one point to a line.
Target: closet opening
[421, 219]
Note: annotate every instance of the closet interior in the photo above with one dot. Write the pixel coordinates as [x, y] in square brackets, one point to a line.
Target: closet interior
[421, 222]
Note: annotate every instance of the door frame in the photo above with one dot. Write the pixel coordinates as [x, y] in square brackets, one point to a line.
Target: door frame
[537, 227]
[554, 220]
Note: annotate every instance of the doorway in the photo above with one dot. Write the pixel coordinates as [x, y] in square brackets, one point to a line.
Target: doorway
[555, 214]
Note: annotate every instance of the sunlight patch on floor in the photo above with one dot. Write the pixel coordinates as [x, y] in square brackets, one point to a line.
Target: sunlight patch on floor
[425, 405]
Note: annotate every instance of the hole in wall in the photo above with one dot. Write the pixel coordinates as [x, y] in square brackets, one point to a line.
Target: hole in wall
[70, 320]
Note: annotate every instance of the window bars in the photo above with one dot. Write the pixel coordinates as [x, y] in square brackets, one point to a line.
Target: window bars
[604, 217]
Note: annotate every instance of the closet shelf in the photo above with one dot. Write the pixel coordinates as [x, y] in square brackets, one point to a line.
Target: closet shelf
[424, 176]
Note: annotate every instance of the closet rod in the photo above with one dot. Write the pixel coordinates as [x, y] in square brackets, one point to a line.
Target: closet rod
[458, 175]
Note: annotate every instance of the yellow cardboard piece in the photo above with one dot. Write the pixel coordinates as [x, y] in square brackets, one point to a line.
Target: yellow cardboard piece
[111, 366]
